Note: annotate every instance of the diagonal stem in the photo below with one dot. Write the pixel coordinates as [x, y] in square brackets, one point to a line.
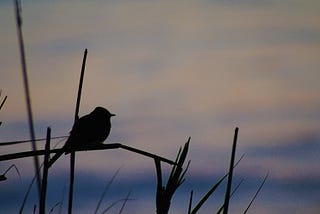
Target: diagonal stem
[27, 92]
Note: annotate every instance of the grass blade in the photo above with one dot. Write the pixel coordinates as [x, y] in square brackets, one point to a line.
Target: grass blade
[255, 195]
[211, 191]
[165, 193]
[115, 203]
[54, 206]
[207, 195]
[235, 189]
[2, 103]
[3, 176]
[125, 202]
[27, 194]
[106, 189]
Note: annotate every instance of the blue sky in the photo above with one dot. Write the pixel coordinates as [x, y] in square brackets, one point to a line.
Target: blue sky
[169, 70]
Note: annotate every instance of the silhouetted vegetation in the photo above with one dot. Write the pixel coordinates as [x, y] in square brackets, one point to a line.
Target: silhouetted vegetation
[164, 192]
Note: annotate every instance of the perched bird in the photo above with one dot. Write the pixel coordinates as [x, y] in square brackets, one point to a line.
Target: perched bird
[88, 130]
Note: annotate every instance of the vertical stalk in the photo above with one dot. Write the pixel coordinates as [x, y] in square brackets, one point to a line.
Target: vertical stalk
[45, 173]
[76, 117]
[72, 166]
[190, 202]
[227, 196]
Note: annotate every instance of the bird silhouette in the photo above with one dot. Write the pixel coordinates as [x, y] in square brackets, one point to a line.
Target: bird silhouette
[88, 130]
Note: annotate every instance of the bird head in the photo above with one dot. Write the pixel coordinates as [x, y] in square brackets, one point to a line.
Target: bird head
[100, 111]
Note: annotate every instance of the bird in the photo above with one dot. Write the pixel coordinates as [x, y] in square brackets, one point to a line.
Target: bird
[90, 129]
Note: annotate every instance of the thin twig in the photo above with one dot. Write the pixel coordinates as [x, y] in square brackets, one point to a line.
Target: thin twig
[27, 92]
[19, 155]
[9, 143]
[148, 154]
[89, 148]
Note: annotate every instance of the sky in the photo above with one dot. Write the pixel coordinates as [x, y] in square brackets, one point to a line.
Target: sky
[170, 70]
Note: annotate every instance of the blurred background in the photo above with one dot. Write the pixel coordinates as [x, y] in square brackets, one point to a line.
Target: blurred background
[169, 70]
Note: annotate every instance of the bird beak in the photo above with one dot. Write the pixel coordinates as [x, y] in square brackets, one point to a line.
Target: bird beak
[113, 115]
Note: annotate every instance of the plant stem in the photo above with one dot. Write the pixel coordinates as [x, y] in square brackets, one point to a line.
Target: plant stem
[227, 196]
[27, 92]
[45, 173]
[76, 117]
